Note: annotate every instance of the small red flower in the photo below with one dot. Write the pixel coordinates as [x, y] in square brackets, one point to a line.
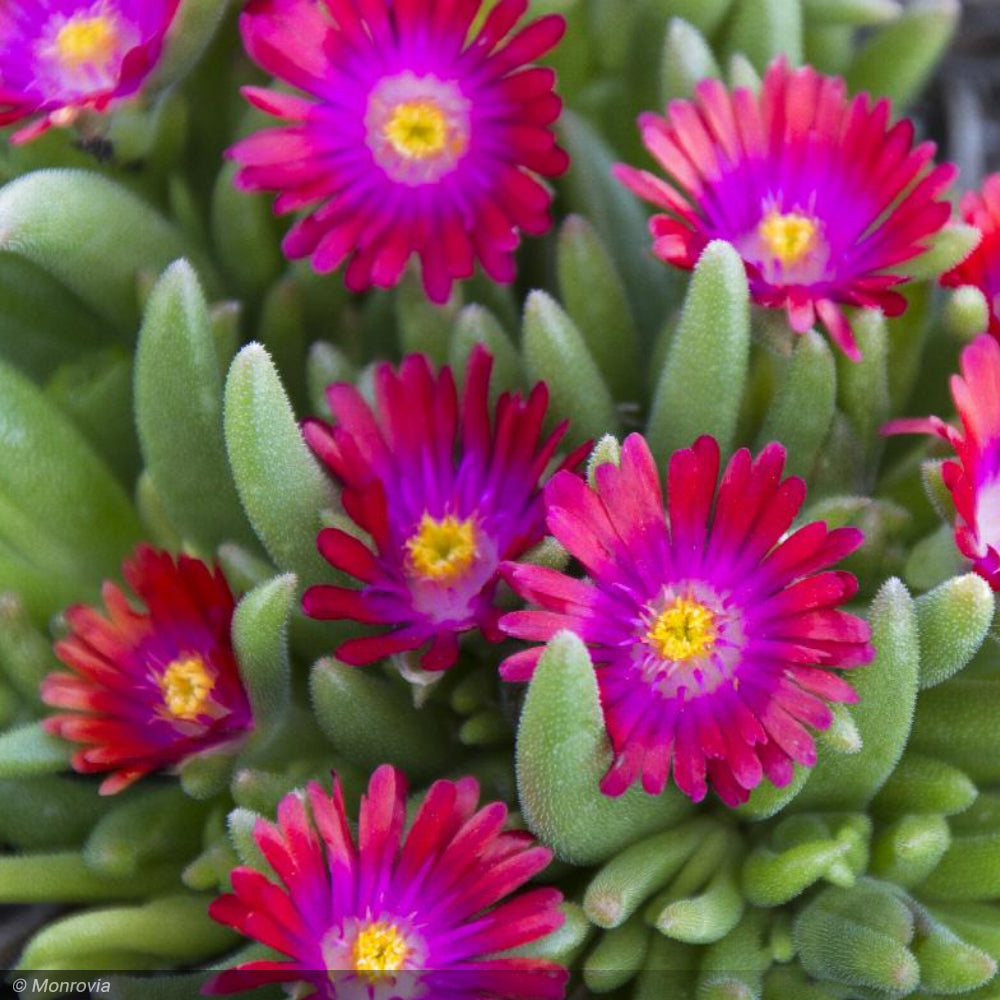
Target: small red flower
[715, 637]
[822, 198]
[151, 688]
[973, 477]
[420, 135]
[391, 914]
[446, 491]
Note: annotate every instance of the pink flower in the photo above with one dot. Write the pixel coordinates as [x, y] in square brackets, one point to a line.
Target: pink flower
[982, 267]
[446, 493]
[150, 688]
[820, 196]
[421, 914]
[60, 57]
[416, 138]
[714, 636]
[973, 477]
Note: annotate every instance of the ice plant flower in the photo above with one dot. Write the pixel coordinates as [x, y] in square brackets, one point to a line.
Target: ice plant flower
[973, 477]
[821, 197]
[420, 914]
[417, 137]
[714, 637]
[982, 267]
[60, 57]
[445, 494]
[149, 688]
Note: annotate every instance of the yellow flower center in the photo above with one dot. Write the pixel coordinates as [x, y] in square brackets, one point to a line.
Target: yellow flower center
[417, 129]
[788, 237]
[379, 949]
[683, 630]
[186, 685]
[87, 41]
[442, 549]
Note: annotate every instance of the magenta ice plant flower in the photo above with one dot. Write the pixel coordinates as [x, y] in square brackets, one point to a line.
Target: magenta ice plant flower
[715, 631]
[445, 490]
[973, 476]
[823, 198]
[389, 914]
[61, 57]
[418, 134]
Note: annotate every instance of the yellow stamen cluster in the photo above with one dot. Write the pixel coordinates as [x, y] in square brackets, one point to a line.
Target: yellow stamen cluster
[442, 549]
[788, 237]
[88, 41]
[379, 949]
[187, 685]
[683, 630]
[417, 130]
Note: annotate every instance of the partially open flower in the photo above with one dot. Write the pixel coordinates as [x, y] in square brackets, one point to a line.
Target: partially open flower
[392, 915]
[60, 57]
[417, 137]
[981, 268]
[714, 636]
[446, 493]
[822, 198]
[974, 479]
[150, 688]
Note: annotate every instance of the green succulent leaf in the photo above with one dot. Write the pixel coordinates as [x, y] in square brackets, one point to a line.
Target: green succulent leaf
[556, 353]
[97, 243]
[562, 754]
[283, 489]
[178, 400]
[887, 691]
[953, 620]
[701, 385]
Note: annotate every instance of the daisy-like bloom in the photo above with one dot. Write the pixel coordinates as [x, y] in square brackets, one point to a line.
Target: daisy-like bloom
[393, 915]
[820, 196]
[973, 477]
[982, 267]
[61, 57]
[714, 637]
[445, 494]
[149, 688]
[416, 137]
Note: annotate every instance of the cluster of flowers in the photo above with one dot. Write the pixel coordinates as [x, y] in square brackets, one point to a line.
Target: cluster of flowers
[715, 629]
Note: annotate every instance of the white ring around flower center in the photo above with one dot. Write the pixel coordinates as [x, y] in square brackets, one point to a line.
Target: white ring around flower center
[417, 127]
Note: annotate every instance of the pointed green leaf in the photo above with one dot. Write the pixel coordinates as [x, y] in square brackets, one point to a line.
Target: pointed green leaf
[260, 639]
[555, 353]
[896, 61]
[701, 386]
[477, 325]
[887, 691]
[594, 295]
[966, 312]
[282, 486]
[562, 754]
[953, 620]
[42, 323]
[177, 928]
[29, 750]
[100, 238]
[372, 722]
[619, 219]
[244, 236]
[765, 29]
[946, 249]
[178, 401]
[925, 785]
[687, 59]
[804, 404]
